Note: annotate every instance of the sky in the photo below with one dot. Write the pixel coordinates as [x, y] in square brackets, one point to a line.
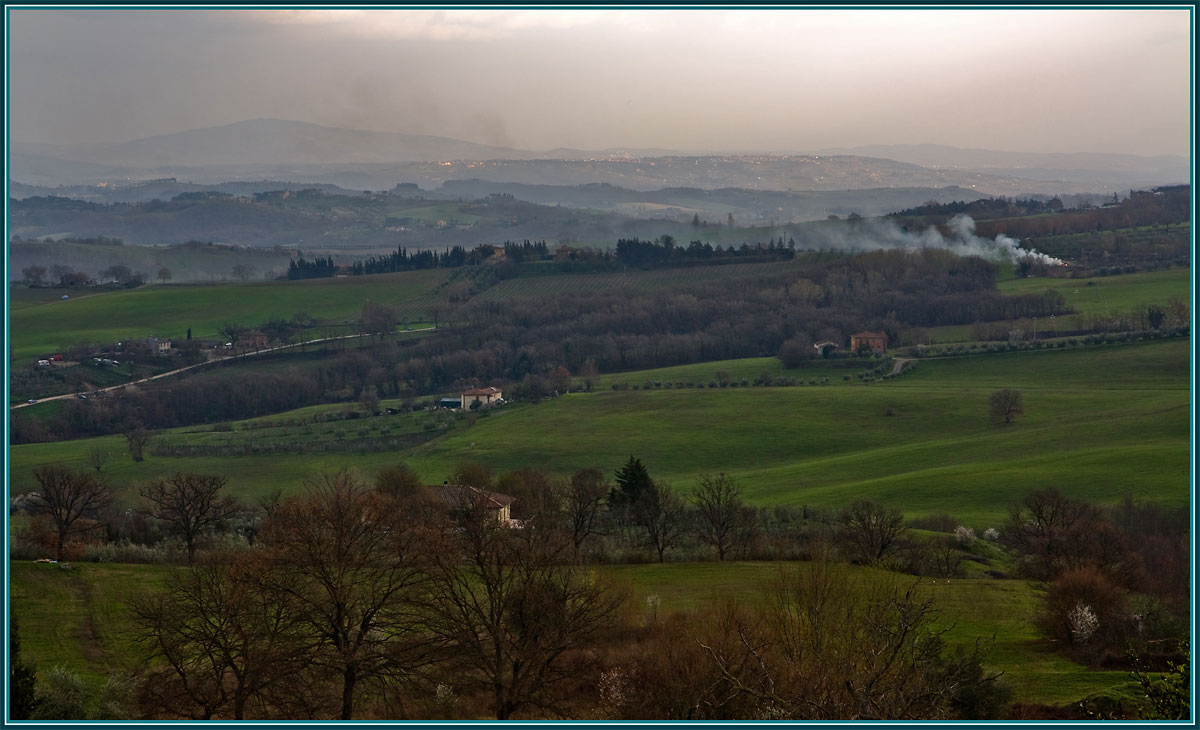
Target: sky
[795, 80]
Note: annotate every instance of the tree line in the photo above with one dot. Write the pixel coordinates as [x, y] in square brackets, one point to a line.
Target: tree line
[318, 268]
[664, 251]
[455, 256]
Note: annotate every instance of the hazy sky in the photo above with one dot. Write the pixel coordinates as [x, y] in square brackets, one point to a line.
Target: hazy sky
[796, 80]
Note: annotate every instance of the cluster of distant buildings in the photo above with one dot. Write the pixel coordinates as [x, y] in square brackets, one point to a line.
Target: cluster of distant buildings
[876, 342]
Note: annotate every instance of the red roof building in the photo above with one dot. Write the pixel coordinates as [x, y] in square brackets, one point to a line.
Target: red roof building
[877, 341]
[484, 396]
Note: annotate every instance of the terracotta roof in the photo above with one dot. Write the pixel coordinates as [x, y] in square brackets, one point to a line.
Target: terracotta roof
[869, 334]
[461, 495]
[482, 391]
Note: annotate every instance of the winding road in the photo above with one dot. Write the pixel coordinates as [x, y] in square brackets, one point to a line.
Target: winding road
[227, 358]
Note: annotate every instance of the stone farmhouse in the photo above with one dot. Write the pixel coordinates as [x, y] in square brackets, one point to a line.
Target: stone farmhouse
[489, 396]
[877, 341]
[461, 498]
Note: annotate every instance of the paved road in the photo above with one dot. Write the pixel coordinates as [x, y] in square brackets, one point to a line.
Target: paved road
[169, 373]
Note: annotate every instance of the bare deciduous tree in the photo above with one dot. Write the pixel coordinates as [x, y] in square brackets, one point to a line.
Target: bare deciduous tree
[191, 504]
[244, 271]
[1005, 405]
[369, 400]
[1052, 533]
[510, 609]
[68, 495]
[828, 648]
[97, 457]
[662, 516]
[401, 482]
[377, 319]
[348, 560]
[719, 503]
[871, 531]
[581, 500]
[589, 372]
[137, 438]
[224, 642]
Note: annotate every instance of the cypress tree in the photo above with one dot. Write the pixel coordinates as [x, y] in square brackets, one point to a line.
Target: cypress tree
[632, 480]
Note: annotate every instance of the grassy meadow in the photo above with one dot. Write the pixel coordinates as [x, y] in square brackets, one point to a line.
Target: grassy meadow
[1098, 423]
[1099, 295]
[1107, 294]
[747, 368]
[81, 619]
[38, 325]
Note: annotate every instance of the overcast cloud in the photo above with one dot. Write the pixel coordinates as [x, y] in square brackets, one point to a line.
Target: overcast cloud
[781, 80]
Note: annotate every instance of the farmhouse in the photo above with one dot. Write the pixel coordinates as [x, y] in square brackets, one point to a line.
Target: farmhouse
[483, 396]
[159, 347]
[876, 341]
[461, 498]
[253, 338]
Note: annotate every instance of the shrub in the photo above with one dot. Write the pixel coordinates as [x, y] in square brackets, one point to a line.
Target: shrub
[1064, 619]
[65, 697]
[128, 552]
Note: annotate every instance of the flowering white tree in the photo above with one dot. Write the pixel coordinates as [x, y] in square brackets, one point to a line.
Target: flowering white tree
[1082, 623]
[964, 536]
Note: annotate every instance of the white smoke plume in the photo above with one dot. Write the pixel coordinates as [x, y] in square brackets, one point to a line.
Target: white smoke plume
[885, 233]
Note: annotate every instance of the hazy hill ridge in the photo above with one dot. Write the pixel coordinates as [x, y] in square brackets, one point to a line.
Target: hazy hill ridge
[290, 150]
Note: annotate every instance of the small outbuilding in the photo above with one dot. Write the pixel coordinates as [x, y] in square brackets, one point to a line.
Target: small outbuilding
[824, 348]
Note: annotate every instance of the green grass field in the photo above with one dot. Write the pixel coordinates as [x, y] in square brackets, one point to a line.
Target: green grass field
[1108, 294]
[1099, 423]
[1105, 295]
[81, 619]
[749, 368]
[38, 327]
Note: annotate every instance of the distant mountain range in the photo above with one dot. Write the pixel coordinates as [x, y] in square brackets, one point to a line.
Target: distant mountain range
[288, 150]
[1076, 167]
